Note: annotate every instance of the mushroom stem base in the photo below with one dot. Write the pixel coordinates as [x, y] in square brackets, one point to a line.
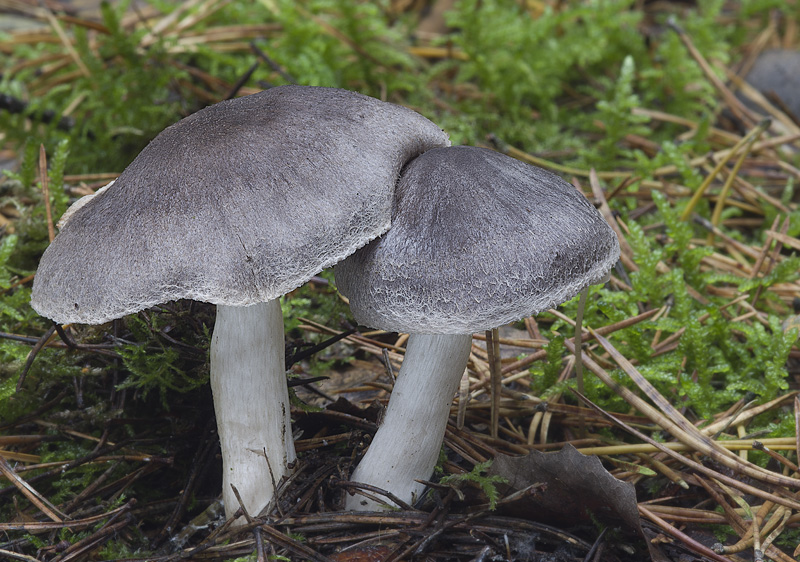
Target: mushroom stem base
[251, 401]
[407, 444]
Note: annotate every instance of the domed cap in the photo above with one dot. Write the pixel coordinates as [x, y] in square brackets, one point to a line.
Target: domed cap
[236, 204]
[478, 240]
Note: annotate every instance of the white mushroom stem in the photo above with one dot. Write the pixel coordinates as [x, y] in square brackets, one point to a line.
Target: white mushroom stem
[251, 401]
[407, 444]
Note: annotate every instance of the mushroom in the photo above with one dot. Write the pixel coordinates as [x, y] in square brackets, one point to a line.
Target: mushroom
[478, 240]
[237, 205]
[776, 73]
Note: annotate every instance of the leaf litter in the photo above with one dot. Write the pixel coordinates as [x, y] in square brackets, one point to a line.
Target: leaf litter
[705, 477]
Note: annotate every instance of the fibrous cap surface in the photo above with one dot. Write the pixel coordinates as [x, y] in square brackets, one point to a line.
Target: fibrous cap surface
[478, 240]
[236, 204]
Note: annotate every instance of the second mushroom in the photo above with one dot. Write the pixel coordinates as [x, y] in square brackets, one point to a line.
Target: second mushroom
[478, 240]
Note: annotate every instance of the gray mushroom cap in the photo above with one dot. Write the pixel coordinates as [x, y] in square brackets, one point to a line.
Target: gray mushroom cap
[236, 204]
[778, 71]
[478, 240]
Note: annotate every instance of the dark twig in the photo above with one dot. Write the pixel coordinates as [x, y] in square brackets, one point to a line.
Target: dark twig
[598, 541]
[272, 64]
[364, 488]
[299, 355]
[241, 81]
[32, 355]
[292, 545]
[66, 336]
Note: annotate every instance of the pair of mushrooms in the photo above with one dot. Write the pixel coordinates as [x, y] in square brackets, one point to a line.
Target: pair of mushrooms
[245, 200]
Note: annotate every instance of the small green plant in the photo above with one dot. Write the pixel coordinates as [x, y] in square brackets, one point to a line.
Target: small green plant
[617, 116]
[487, 484]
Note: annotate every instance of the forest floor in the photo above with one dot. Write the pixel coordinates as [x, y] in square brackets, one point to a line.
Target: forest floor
[685, 444]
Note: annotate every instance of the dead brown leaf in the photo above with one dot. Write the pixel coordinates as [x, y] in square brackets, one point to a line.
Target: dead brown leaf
[577, 489]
